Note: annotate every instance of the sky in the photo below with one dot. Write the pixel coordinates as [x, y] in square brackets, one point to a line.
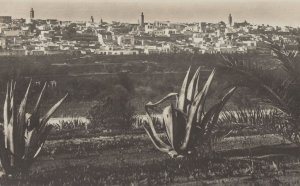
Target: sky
[273, 12]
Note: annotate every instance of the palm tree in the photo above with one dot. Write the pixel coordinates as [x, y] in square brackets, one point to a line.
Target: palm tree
[278, 88]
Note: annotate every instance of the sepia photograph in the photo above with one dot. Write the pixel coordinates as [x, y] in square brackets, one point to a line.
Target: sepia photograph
[149, 92]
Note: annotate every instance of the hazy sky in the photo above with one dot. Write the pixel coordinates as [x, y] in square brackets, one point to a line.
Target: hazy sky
[274, 12]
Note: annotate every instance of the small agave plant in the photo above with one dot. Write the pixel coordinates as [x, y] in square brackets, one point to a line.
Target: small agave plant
[22, 135]
[187, 122]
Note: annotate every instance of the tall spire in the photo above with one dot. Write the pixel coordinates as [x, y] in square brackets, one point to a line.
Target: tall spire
[142, 23]
[31, 13]
[92, 19]
[230, 20]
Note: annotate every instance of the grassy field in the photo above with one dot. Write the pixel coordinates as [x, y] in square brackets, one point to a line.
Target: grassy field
[132, 160]
[81, 156]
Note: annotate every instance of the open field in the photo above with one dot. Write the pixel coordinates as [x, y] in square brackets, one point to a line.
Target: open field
[99, 154]
[131, 159]
[89, 79]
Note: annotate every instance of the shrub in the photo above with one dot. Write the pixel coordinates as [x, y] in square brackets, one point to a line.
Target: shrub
[114, 110]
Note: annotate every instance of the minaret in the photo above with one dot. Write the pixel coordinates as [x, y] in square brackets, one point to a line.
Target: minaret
[142, 23]
[92, 19]
[230, 20]
[31, 13]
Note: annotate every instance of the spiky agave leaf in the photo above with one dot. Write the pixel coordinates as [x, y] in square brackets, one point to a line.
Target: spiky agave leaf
[175, 123]
[213, 113]
[182, 98]
[179, 129]
[6, 115]
[169, 120]
[36, 137]
[21, 140]
[4, 154]
[158, 143]
[11, 123]
[215, 110]
[192, 90]
[180, 121]
[196, 106]
[47, 116]
[204, 91]
[34, 120]
[21, 125]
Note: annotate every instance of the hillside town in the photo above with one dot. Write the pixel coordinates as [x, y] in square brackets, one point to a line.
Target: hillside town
[33, 36]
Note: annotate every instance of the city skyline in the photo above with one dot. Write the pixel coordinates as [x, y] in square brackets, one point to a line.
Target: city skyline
[278, 12]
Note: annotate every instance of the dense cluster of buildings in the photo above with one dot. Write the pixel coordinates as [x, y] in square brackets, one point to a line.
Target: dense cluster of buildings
[33, 36]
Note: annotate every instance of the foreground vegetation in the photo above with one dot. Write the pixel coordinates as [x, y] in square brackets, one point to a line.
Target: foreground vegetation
[129, 159]
[187, 123]
[23, 134]
[208, 144]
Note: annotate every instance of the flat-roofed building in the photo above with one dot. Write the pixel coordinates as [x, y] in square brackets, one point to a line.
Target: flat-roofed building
[5, 19]
[2, 43]
[13, 33]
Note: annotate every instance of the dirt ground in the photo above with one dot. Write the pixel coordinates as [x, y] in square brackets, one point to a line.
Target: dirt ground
[141, 162]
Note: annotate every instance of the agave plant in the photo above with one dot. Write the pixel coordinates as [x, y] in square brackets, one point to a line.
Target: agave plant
[186, 122]
[22, 134]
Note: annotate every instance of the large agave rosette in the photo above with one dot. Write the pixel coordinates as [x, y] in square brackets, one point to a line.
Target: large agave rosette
[187, 121]
[22, 135]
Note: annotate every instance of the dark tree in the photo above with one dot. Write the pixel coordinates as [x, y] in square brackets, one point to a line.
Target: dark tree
[114, 111]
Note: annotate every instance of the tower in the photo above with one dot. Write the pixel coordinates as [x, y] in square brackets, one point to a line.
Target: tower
[31, 13]
[92, 19]
[230, 20]
[142, 23]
